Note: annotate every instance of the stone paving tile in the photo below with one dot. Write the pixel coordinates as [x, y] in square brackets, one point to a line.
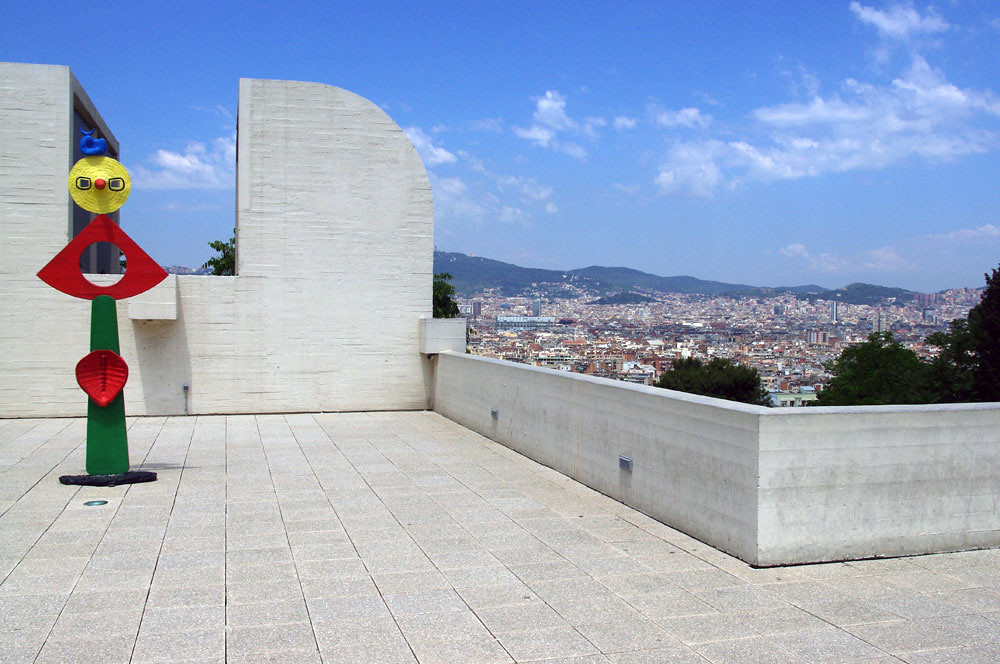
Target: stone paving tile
[98, 624]
[780, 621]
[520, 618]
[428, 601]
[905, 635]
[627, 635]
[446, 650]
[22, 645]
[961, 655]
[485, 597]
[757, 650]
[403, 537]
[265, 613]
[823, 646]
[547, 643]
[167, 647]
[706, 628]
[256, 639]
[658, 606]
[82, 650]
[674, 655]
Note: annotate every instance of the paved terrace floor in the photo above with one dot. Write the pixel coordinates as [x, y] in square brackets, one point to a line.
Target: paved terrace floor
[403, 537]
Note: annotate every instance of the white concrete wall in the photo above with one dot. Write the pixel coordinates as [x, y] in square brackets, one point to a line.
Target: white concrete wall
[335, 265]
[694, 461]
[39, 326]
[772, 486]
[861, 482]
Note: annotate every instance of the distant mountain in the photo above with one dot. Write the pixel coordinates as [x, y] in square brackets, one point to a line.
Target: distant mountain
[473, 274]
[623, 298]
[180, 269]
[767, 291]
[623, 278]
[859, 293]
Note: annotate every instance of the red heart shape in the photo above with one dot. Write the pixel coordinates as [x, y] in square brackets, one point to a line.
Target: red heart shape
[102, 375]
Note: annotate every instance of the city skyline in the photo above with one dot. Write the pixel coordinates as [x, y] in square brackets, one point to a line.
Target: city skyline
[769, 145]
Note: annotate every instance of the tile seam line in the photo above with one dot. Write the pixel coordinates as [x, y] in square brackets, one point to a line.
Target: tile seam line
[277, 497]
[49, 471]
[346, 532]
[97, 546]
[173, 503]
[37, 424]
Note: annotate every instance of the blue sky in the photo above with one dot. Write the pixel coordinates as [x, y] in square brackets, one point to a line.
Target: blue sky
[769, 143]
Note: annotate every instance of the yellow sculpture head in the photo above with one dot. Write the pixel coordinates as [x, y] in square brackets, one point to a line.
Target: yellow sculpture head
[99, 184]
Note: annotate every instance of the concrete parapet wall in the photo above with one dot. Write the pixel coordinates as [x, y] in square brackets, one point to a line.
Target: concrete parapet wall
[860, 482]
[694, 461]
[772, 486]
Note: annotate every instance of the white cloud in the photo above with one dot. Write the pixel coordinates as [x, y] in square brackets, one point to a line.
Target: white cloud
[883, 259]
[199, 166]
[550, 111]
[513, 215]
[623, 122]
[984, 232]
[630, 189]
[494, 125]
[919, 114]
[452, 200]
[817, 111]
[686, 117]
[528, 187]
[692, 169]
[431, 154]
[474, 199]
[899, 21]
[550, 118]
[573, 150]
[541, 136]
[794, 251]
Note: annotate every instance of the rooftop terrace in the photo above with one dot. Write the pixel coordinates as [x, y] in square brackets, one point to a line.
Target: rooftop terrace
[404, 537]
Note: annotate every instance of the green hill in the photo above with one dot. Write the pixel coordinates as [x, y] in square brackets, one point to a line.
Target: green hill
[474, 274]
[623, 298]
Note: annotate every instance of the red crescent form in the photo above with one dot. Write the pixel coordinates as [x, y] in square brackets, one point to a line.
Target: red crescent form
[63, 272]
[102, 375]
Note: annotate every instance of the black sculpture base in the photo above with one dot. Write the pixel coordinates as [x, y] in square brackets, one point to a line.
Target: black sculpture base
[131, 477]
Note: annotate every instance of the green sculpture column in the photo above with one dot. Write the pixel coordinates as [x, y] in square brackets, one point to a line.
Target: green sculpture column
[107, 441]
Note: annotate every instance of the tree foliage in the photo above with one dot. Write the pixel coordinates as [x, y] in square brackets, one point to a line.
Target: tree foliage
[223, 265]
[879, 371]
[883, 371]
[716, 378]
[444, 297]
[952, 373]
[984, 328]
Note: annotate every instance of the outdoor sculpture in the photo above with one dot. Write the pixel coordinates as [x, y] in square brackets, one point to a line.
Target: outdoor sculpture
[101, 184]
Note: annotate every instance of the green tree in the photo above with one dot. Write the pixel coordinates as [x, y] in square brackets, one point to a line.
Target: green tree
[444, 297]
[984, 327]
[879, 371]
[716, 378]
[223, 265]
[952, 373]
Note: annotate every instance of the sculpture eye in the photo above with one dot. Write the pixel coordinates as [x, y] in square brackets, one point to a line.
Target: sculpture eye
[83, 183]
[116, 184]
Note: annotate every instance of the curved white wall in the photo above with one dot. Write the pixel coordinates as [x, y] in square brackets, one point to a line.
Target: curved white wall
[335, 266]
